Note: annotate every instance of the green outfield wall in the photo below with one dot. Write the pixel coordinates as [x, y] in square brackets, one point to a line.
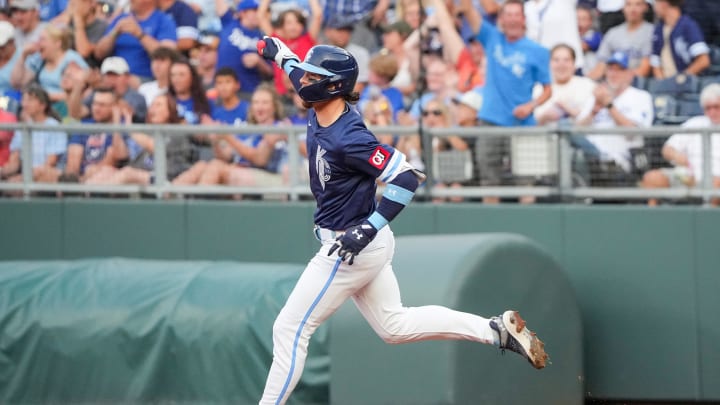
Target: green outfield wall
[646, 280]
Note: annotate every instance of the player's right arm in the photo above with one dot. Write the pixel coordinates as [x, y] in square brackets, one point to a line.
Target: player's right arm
[274, 49]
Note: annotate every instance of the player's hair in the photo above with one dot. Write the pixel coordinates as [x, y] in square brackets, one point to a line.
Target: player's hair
[276, 101]
[566, 47]
[384, 65]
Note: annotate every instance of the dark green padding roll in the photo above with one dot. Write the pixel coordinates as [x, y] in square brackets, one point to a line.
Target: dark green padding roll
[140, 331]
[480, 273]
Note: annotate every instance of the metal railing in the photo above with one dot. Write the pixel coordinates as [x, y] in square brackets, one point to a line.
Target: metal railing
[562, 190]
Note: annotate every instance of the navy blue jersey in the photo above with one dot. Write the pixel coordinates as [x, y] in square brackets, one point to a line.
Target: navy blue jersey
[345, 160]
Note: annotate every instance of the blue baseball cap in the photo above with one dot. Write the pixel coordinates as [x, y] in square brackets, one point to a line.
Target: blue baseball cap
[247, 5]
[619, 58]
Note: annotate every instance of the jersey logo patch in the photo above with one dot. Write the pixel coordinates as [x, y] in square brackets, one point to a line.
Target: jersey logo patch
[379, 157]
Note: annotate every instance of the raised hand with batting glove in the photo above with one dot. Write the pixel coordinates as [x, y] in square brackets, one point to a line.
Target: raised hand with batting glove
[274, 49]
[355, 239]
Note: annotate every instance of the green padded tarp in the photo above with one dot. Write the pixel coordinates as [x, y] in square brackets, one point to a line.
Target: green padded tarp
[140, 331]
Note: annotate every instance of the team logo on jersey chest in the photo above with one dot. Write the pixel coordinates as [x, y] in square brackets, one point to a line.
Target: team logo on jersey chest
[379, 157]
[322, 167]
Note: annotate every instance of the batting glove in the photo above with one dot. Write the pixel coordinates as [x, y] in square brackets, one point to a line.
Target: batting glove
[353, 241]
[272, 48]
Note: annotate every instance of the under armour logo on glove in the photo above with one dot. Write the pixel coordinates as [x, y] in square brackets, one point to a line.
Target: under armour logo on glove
[355, 239]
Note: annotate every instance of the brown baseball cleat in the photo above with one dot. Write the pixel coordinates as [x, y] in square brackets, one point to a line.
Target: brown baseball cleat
[516, 337]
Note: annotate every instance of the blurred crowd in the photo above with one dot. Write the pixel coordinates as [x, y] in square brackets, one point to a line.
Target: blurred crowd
[423, 63]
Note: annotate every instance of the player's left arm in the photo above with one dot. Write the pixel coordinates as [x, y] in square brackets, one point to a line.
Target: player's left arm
[401, 180]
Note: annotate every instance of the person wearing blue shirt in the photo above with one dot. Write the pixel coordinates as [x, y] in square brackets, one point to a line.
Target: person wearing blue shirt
[237, 45]
[229, 108]
[50, 9]
[136, 34]
[678, 45]
[514, 65]
[186, 21]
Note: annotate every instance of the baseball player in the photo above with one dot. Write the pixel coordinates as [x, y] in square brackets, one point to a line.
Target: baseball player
[355, 259]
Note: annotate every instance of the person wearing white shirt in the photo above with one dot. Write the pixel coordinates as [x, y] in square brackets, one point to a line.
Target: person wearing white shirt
[685, 151]
[553, 22]
[569, 92]
[616, 103]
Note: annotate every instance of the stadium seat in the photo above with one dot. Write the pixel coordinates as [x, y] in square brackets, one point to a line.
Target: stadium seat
[714, 60]
[688, 109]
[665, 107]
[640, 82]
[705, 80]
[678, 86]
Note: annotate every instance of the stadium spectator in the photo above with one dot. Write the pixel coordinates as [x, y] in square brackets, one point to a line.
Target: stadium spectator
[436, 114]
[468, 59]
[339, 32]
[186, 88]
[569, 92]
[393, 42]
[440, 83]
[410, 12]
[6, 136]
[134, 35]
[260, 155]
[589, 38]
[685, 151]
[9, 55]
[616, 104]
[515, 65]
[186, 23]
[678, 45]
[162, 58]
[554, 22]
[45, 61]
[115, 74]
[50, 9]
[87, 29]
[48, 147]
[180, 152]
[206, 60]
[611, 13]
[25, 17]
[633, 37]
[705, 13]
[97, 154]
[294, 30]
[377, 111]
[383, 68]
[228, 108]
[366, 17]
[238, 49]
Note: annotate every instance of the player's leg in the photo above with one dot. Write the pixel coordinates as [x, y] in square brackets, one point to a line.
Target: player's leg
[380, 303]
[324, 285]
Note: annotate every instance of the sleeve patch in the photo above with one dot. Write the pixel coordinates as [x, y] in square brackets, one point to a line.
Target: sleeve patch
[379, 158]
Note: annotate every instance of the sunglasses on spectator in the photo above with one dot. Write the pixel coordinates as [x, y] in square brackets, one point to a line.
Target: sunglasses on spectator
[436, 113]
[711, 107]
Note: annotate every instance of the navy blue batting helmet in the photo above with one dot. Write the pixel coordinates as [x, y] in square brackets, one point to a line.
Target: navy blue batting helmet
[337, 65]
